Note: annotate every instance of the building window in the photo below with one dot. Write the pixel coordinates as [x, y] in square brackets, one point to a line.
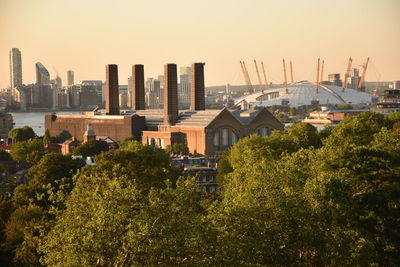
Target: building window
[265, 131]
[162, 145]
[216, 138]
[225, 140]
[234, 138]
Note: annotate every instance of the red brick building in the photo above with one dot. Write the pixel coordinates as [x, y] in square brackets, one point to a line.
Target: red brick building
[206, 132]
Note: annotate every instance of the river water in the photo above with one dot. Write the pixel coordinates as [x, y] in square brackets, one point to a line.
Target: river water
[35, 120]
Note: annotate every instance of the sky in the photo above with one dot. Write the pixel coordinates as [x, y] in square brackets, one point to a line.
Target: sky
[85, 35]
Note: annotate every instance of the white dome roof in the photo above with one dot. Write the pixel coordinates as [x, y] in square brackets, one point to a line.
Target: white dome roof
[303, 93]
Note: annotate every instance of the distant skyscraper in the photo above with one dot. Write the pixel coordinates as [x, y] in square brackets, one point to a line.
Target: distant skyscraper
[70, 77]
[396, 85]
[153, 94]
[355, 77]
[161, 79]
[15, 70]
[184, 90]
[42, 75]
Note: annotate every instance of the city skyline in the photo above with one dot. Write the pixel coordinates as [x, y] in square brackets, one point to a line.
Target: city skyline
[75, 35]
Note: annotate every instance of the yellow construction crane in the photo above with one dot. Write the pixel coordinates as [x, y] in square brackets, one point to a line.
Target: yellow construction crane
[265, 76]
[361, 81]
[260, 87]
[246, 77]
[347, 74]
[317, 83]
[291, 72]
[284, 73]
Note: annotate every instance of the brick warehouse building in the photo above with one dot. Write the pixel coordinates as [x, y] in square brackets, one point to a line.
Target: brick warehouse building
[208, 132]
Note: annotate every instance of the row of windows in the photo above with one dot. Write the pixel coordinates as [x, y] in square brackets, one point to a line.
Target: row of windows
[156, 142]
[226, 137]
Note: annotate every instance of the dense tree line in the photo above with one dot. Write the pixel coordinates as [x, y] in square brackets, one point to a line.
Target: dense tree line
[296, 198]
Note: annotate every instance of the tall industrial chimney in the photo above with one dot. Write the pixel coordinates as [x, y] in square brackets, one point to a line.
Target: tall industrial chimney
[112, 90]
[170, 94]
[198, 101]
[138, 94]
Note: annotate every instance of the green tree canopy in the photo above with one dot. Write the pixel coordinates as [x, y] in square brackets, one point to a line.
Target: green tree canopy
[36, 203]
[4, 155]
[22, 134]
[30, 151]
[110, 222]
[147, 165]
[177, 148]
[91, 148]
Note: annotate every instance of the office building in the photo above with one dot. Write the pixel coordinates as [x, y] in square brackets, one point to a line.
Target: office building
[153, 94]
[91, 93]
[15, 71]
[334, 79]
[42, 75]
[184, 87]
[396, 85]
[70, 77]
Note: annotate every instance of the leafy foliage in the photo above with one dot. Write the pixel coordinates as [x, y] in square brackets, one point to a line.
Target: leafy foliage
[91, 148]
[30, 151]
[22, 134]
[296, 198]
[177, 148]
[4, 155]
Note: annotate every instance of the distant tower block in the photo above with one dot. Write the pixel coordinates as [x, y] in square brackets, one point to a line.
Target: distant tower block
[70, 77]
[112, 91]
[170, 94]
[138, 94]
[198, 101]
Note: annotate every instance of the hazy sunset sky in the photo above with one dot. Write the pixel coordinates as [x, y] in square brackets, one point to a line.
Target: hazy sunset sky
[85, 35]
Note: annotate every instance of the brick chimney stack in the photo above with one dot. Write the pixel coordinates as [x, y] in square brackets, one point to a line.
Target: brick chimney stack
[170, 94]
[138, 94]
[112, 90]
[198, 101]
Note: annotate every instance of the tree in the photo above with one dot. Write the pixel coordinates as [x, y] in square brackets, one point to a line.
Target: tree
[177, 148]
[22, 134]
[47, 174]
[91, 148]
[130, 193]
[148, 166]
[30, 151]
[37, 203]
[4, 155]
[47, 138]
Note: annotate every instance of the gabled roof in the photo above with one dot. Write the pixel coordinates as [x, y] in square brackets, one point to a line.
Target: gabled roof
[200, 118]
[203, 118]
